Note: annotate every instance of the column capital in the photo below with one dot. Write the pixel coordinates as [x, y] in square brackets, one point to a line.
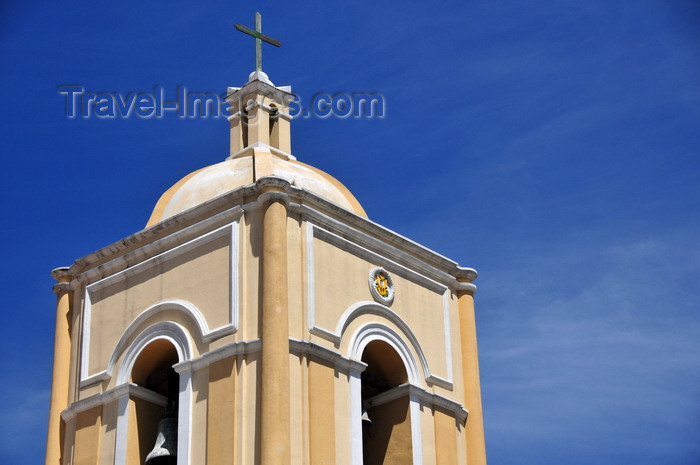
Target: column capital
[64, 277]
[62, 274]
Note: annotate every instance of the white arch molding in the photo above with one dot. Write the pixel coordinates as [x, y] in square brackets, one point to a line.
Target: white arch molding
[208, 335]
[178, 336]
[364, 335]
[373, 308]
[188, 309]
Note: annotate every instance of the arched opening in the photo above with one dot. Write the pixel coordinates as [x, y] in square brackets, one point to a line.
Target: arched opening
[155, 428]
[244, 123]
[386, 419]
[274, 136]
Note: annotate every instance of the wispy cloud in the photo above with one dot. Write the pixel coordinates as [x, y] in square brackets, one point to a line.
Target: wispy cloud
[614, 356]
[22, 417]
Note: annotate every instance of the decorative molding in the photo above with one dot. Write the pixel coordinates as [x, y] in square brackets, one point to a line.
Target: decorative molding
[304, 203]
[173, 304]
[260, 144]
[416, 435]
[363, 336]
[359, 308]
[60, 288]
[152, 245]
[184, 418]
[229, 350]
[208, 335]
[178, 336]
[379, 273]
[469, 287]
[121, 440]
[355, 416]
[62, 274]
[272, 196]
[378, 332]
[363, 308]
[106, 397]
[424, 397]
[167, 330]
[370, 235]
[309, 348]
[448, 341]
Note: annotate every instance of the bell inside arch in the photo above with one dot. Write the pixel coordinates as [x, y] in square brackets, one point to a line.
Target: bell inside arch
[165, 450]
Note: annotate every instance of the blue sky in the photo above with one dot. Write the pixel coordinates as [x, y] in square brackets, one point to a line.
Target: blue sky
[553, 146]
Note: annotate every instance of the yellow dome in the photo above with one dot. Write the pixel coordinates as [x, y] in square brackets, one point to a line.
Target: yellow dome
[215, 180]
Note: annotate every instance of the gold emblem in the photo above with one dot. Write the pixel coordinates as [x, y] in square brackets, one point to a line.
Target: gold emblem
[381, 286]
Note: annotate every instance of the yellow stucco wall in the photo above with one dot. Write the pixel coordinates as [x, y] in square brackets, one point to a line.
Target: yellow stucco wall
[389, 443]
[341, 280]
[87, 437]
[445, 438]
[226, 410]
[321, 408]
[221, 420]
[200, 276]
[142, 429]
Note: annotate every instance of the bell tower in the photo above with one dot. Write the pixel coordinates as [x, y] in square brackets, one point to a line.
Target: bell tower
[261, 318]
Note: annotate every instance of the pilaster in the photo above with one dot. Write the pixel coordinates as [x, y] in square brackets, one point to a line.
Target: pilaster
[61, 365]
[474, 429]
[275, 397]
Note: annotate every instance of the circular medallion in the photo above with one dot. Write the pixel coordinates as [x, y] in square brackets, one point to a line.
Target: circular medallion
[381, 286]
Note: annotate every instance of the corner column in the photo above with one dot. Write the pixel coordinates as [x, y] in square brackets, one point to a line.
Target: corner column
[61, 365]
[474, 430]
[275, 400]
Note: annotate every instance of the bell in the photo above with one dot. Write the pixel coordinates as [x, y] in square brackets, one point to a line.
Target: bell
[165, 450]
[366, 420]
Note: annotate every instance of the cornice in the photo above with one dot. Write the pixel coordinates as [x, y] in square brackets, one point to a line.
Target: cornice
[132, 249]
[425, 397]
[103, 398]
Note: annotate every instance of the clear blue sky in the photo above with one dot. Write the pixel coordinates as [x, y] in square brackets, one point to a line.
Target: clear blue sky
[553, 146]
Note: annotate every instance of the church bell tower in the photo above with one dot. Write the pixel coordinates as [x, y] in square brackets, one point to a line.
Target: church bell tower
[261, 318]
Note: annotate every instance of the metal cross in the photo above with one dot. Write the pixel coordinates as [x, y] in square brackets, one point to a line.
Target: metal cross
[259, 39]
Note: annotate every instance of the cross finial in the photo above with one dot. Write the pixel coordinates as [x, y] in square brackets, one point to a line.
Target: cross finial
[259, 39]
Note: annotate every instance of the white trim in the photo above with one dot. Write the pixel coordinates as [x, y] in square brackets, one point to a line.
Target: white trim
[416, 435]
[259, 144]
[168, 330]
[208, 335]
[103, 398]
[389, 242]
[422, 396]
[302, 202]
[363, 336]
[356, 418]
[234, 290]
[359, 308]
[172, 304]
[123, 259]
[448, 337]
[341, 363]
[121, 440]
[177, 335]
[359, 247]
[184, 417]
[229, 350]
[469, 287]
[122, 393]
[378, 332]
[362, 308]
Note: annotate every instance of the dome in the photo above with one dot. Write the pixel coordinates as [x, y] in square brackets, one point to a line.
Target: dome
[216, 180]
